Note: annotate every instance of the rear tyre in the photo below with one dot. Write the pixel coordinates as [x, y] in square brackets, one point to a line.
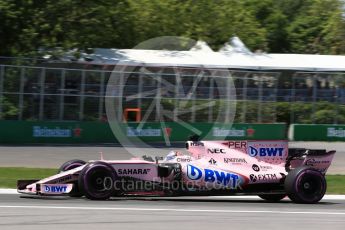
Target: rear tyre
[68, 166]
[97, 181]
[305, 185]
[272, 197]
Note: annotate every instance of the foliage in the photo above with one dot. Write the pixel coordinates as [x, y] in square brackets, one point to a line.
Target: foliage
[316, 29]
[9, 109]
[31, 27]
[285, 112]
[307, 113]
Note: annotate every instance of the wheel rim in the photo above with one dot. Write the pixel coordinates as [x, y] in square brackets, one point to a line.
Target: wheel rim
[311, 187]
[99, 181]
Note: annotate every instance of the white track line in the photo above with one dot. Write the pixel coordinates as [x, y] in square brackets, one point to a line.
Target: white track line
[8, 191]
[170, 210]
[326, 197]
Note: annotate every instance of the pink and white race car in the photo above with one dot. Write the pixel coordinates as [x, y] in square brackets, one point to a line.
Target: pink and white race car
[268, 169]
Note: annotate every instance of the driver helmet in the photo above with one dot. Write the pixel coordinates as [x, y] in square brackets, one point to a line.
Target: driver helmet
[171, 155]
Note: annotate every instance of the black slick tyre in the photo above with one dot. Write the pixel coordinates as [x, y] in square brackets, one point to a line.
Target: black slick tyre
[96, 181]
[305, 185]
[72, 164]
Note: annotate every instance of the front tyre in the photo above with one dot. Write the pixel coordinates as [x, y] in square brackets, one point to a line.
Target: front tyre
[97, 181]
[305, 185]
[72, 164]
[272, 197]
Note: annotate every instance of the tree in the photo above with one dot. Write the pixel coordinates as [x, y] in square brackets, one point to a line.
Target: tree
[302, 26]
[315, 28]
[46, 24]
[273, 20]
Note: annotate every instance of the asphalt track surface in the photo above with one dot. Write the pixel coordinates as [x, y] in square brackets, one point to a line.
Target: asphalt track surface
[54, 156]
[167, 213]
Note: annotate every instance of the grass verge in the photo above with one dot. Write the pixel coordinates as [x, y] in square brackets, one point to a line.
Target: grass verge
[9, 177]
[335, 184]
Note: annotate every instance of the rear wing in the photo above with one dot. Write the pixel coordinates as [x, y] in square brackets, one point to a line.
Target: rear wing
[319, 159]
[296, 152]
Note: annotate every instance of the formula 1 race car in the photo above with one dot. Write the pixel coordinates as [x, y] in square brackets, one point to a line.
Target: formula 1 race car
[268, 169]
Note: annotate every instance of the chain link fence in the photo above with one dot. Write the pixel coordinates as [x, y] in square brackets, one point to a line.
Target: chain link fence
[184, 94]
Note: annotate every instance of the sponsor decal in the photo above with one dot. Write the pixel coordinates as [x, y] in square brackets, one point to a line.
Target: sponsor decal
[256, 168]
[193, 172]
[38, 131]
[235, 160]
[210, 175]
[262, 177]
[133, 171]
[219, 132]
[77, 132]
[250, 132]
[183, 159]
[196, 143]
[216, 151]
[212, 161]
[55, 188]
[283, 175]
[147, 132]
[262, 152]
[265, 167]
[167, 131]
[333, 132]
[313, 162]
[237, 144]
